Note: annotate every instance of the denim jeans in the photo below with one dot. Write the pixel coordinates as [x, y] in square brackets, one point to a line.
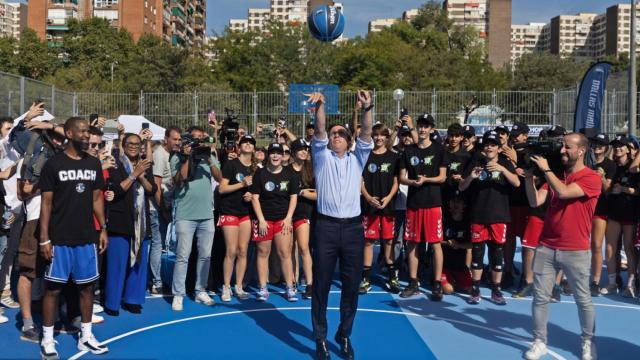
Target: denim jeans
[3, 252]
[204, 230]
[158, 235]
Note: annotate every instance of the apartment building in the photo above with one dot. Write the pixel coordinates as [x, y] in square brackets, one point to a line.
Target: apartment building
[525, 39]
[13, 18]
[240, 25]
[378, 24]
[292, 12]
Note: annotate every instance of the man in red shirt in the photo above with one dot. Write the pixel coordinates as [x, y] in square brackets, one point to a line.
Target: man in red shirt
[565, 240]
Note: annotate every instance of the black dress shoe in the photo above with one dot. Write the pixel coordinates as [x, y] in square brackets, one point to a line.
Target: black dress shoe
[132, 308]
[111, 312]
[322, 350]
[346, 350]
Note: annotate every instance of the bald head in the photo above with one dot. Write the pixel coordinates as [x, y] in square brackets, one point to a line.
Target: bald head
[578, 140]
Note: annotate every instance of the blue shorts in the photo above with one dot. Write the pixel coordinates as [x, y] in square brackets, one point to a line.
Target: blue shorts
[77, 263]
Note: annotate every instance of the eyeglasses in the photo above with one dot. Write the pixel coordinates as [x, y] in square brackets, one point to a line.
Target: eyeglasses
[133, 145]
[99, 145]
[288, 152]
[341, 133]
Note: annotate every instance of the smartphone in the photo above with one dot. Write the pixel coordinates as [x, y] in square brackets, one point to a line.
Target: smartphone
[282, 122]
[210, 115]
[403, 112]
[110, 129]
[93, 119]
[145, 125]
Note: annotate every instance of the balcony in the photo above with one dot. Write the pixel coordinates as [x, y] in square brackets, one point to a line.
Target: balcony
[166, 17]
[57, 28]
[177, 12]
[179, 5]
[69, 5]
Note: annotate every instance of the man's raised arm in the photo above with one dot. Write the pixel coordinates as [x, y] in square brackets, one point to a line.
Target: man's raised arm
[366, 123]
[320, 131]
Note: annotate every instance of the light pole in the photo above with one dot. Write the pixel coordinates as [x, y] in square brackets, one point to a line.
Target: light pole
[398, 95]
[632, 74]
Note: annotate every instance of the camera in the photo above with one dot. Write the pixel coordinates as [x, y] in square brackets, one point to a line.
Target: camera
[200, 148]
[230, 128]
[548, 149]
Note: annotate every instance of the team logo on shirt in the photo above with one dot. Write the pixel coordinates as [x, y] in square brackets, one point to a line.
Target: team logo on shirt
[269, 186]
[240, 177]
[284, 185]
[483, 175]
[414, 161]
[428, 160]
[80, 188]
[372, 168]
[455, 166]
[495, 175]
[385, 168]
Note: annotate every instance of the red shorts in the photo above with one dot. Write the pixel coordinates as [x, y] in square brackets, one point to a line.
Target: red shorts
[273, 227]
[461, 278]
[532, 232]
[230, 220]
[518, 222]
[484, 232]
[424, 225]
[378, 226]
[298, 223]
[600, 217]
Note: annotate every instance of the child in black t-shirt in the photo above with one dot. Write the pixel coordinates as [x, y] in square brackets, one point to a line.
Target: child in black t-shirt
[456, 247]
[489, 179]
[379, 188]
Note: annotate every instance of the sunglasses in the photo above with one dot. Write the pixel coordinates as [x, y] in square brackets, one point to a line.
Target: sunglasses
[99, 145]
[288, 152]
[341, 133]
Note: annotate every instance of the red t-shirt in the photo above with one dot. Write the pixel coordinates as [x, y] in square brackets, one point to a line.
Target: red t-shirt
[567, 223]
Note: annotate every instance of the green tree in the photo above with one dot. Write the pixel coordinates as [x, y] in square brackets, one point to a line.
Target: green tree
[544, 71]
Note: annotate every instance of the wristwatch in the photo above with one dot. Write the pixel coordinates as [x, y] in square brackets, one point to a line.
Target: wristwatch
[368, 108]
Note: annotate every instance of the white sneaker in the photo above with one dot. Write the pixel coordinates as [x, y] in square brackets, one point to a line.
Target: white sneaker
[537, 350]
[241, 294]
[589, 350]
[226, 293]
[92, 345]
[96, 319]
[176, 305]
[611, 289]
[204, 298]
[3, 319]
[8, 302]
[48, 350]
[97, 308]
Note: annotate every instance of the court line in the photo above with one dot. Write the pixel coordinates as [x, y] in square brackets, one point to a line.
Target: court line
[273, 292]
[236, 312]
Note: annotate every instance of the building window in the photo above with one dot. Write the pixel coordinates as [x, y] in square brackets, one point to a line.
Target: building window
[145, 19]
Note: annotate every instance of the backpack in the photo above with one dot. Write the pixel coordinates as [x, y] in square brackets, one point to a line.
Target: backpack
[36, 147]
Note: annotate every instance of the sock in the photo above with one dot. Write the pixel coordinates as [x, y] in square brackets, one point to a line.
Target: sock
[413, 282]
[27, 323]
[475, 287]
[366, 272]
[86, 330]
[612, 279]
[47, 333]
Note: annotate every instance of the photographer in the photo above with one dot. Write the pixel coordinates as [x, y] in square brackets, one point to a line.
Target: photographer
[564, 243]
[193, 170]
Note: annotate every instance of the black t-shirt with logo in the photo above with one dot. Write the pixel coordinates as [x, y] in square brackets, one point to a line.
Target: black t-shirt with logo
[518, 195]
[426, 162]
[455, 259]
[275, 191]
[623, 207]
[490, 194]
[305, 208]
[457, 163]
[609, 168]
[378, 176]
[232, 203]
[72, 183]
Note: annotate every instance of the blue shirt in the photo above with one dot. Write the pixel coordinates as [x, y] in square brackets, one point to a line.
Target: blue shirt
[338, 179]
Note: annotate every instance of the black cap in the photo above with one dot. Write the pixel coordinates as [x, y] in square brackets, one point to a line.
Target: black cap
[620, 139]
[500, 129]
[404, 130]
[600, 139]
[426, 119]
[491, 137]
[299, 144]
[275, 147]
[435, 137]
[310, 126]
[247, 138]
[556, 130]
[519, 128]
[468, 131]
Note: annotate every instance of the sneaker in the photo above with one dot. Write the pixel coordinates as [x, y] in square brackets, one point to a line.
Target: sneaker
[95, 319]
[497, 297]
[3, 319]
[204, 298]
[524, 291]
[176, 304]
[610, 289]
[629, 292]
[92, 345]
[68, 328]
[566, 289]
[7, 301]
[555, 293]
[307, 292]
[537, 350]
[436, 292]
[589, 350]
[292, 295]
[156, 291]
[240, 293]
[32, 334]
[226, 293]
[595, 289]
[365, 286]
[48, 350]
[392, 285]
[97, 308]
[263, 294]
[474, 298]
[411, 290]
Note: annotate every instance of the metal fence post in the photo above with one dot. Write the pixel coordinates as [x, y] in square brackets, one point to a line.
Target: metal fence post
[53, 99]
[195, 107]
[434, 108]
[141, 103]
[494, 102]
[373, 101]
[22, 109]
[554, 116]
[604, 123]
[74, 105]
[255, 108]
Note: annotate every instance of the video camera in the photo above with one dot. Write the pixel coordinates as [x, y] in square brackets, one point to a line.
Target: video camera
[548, 149]
[230, 128]
[201, 147]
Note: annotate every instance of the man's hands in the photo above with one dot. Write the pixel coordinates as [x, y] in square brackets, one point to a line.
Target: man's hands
[315, 98]
[495, 167]
[364, 97]
[104, 241]
[46, 251]
[541, 162]
[109, 195]
[247, 197]
[36, 109]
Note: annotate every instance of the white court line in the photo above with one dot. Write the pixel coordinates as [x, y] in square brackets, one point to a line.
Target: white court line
[236, 312]
[254, 293]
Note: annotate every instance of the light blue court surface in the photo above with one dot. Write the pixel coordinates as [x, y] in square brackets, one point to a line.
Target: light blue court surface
[386, 327]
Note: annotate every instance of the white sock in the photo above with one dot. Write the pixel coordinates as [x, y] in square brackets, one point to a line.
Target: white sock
[86, 330]
[47, 333]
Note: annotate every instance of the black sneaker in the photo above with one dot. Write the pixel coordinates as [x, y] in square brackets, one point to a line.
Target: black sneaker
[566, 289]
[436, 292]
[595, 289]
[365, 286]
[474, 298]
[392, 285]
[555, 294]
[32, 334]
[497, 297]
[524, 291]
[411, 290]
[307, 292]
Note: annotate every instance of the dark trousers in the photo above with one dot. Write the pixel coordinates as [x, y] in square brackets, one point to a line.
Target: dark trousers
[344, 241]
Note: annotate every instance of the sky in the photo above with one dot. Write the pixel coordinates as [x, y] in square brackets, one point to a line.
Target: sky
[358, 13]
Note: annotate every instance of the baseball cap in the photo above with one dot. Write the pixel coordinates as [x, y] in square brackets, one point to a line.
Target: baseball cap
[468, 131]
[500, 129]
[519, 128]
[436, 137]
[310, 126]
[491, 137]
[600, 139]
[556, 130]
[275, 147]
[247, 138]
[426, 119]
[299, 145]
[620, 139]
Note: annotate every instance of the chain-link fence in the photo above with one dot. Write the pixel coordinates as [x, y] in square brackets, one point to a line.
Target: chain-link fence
[185, 109]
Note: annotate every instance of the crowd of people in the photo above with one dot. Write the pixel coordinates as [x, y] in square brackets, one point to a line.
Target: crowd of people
[433, 202]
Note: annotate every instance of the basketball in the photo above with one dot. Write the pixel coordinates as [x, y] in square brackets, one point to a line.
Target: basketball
[326, 23]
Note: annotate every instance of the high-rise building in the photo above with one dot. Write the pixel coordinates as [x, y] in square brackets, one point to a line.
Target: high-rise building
[525, 39]
[378, 25]
[410, 14]
[13, 18]
[618, 26]
[570, 35]
[258, 18]
[492, 21]
[240, 25]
